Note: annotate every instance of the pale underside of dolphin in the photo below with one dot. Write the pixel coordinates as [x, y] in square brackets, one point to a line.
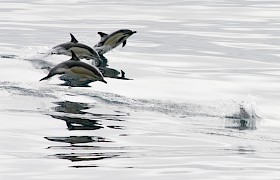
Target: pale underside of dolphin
[111, 41]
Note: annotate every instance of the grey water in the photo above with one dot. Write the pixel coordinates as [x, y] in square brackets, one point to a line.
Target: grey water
[200, 102]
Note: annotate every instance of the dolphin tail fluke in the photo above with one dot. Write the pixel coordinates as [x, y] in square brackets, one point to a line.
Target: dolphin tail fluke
[73, 39]
[124, 43]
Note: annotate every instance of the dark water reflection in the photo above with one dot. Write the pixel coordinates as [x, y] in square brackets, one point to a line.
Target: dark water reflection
[74, 123]
[78, 139]
[78, 148]
[242, 150]
[71, 107]
[86, 156]
[72, 111]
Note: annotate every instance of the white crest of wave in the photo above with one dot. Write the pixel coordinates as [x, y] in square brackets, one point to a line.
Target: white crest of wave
[242, 114]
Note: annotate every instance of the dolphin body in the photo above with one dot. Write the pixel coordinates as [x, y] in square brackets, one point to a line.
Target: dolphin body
[81, 50]
[113, 73]
[76, 68]
[110, 41]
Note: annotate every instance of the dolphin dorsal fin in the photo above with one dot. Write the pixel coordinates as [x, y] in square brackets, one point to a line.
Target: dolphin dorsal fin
[124, 43]
[122, 74]
[73, 39]
[74, 57]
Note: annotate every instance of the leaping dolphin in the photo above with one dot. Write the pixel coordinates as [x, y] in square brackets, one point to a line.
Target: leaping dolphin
[75, 67]
[81, 50]
[110, 41]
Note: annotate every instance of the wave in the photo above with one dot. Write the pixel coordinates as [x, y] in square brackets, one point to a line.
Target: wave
[242, 116]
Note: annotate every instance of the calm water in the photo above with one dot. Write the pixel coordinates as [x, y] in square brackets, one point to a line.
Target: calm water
[203, 102]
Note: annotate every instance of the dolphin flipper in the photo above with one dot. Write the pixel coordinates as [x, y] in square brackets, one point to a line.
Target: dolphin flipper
[124, 43]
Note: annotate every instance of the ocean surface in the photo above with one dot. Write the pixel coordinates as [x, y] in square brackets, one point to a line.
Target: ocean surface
[202, 102]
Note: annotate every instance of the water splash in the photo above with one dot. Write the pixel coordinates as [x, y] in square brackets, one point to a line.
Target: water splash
[242, 115]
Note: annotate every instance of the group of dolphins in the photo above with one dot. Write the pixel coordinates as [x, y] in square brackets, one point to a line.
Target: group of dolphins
[86, 72]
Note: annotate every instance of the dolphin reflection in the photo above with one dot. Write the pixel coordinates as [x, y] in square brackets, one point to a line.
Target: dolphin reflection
[85, 148]
[75, 123]
[78, 139]
[71, 112]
